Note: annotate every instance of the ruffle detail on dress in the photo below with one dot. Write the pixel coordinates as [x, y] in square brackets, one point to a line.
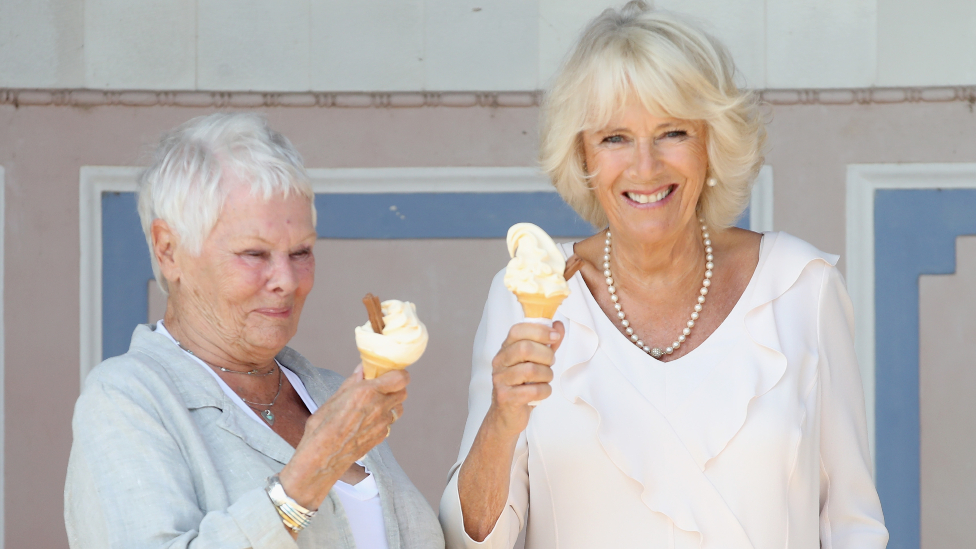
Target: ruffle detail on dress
[667, 454]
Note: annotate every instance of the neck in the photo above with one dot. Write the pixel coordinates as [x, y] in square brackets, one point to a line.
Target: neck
[197, 336]
[658, 264]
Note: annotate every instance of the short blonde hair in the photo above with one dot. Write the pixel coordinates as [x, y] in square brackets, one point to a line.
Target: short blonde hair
[184, 186]
[675, 70]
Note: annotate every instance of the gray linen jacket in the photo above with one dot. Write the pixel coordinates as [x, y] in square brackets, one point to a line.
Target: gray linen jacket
[162, 458]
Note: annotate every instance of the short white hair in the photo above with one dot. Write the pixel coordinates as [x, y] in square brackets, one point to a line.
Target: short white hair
[675, 70]
[185, 185]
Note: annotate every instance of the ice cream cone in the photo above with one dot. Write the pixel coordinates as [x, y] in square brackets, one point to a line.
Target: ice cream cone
[374, 366]
[539, 306]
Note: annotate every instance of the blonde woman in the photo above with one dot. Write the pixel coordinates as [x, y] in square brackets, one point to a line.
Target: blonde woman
[700, 386]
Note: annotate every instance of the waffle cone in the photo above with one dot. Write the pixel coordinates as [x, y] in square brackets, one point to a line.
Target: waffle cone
[374, 365]
[539, 306]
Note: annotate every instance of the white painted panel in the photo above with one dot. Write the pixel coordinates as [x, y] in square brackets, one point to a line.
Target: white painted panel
[739, 25]
[481, 45]
[560, 24]
[821, 43]
[41, 44]
[374, 45]
[140, 45]
[253, 45]
[926, 43]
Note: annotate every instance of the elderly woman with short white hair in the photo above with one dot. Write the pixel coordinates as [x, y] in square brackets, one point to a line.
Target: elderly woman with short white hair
[209, 431]
[699, 387]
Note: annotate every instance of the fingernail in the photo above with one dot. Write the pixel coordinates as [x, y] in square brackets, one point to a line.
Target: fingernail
[553, 336]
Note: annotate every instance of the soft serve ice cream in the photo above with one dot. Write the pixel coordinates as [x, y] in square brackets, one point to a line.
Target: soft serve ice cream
[401, 343]
[535, 272]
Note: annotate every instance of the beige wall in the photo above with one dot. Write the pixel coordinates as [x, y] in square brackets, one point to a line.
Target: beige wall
[947, 397]
[43, 147]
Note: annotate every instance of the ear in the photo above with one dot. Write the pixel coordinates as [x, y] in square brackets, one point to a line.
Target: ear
[165, 242]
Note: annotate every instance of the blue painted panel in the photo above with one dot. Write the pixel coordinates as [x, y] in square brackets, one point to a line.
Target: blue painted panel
[915, 233]
[744, 221]
[443, 215]
[126, 272]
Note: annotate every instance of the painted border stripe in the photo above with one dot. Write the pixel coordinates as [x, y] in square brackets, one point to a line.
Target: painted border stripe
[915, 234]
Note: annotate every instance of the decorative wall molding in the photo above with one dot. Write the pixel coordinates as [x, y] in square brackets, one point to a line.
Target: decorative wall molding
[251, 100]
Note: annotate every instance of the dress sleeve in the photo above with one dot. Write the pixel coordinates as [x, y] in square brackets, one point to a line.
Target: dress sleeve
[850, 511]
[501, 312]
[129, 486]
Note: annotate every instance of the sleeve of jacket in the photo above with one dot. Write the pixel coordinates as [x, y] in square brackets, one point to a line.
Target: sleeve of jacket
[501, 312]
[850, 511]
[129, 486]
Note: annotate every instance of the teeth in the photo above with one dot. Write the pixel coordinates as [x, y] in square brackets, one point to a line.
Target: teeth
[649, 198]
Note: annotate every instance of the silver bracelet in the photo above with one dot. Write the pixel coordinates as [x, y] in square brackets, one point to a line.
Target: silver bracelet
[295, 517]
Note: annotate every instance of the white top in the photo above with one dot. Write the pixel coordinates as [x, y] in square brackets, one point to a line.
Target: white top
[756, 439]
[361, 501]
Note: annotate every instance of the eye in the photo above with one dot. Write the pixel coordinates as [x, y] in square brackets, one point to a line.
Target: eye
[676, 134]
[255, 253]
[613, 139]
[301, 254]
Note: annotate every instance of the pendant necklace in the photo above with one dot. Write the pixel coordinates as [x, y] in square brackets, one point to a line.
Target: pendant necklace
[658, 352]
[266, 414]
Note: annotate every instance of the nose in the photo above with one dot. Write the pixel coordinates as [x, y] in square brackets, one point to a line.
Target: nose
[282, 279]
[645, 161]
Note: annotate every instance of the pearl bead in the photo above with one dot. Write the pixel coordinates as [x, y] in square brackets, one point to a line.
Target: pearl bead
[698, 307]
[706, 283]
[606, 265]
[611, 289]
[647, 349]
[634, 338]
[606, 250]
[694, 316]
[606, 242]
[625, 322]
[708, 274]
[704, 291]
[708, 242]
[709, 257]
[620, 315]
[640, 343]
[606, 258]
[606, 272]
[681, 338]
[608, 234]
[676, 344]
[669, 350]
[617, 306]
[709, 266]
[705, 235]
[701, 299]
[609, 281]
[614, 298]
[691, 323]
[629, 330]
[708, 250]
[686, 332]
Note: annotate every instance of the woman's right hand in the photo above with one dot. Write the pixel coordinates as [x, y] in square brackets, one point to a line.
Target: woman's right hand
[521, 373]
[354, 420]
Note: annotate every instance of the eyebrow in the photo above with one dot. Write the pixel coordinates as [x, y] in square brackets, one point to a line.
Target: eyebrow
[660, 126]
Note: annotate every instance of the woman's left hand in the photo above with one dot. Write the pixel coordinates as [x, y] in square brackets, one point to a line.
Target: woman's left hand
[354, 420]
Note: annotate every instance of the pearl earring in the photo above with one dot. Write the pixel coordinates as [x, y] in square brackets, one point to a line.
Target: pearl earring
[712, 182]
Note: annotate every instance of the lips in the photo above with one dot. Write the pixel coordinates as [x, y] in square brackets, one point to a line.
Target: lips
[650, 198]
[277, 312]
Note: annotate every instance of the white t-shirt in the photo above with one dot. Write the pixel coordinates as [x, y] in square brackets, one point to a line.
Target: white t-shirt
[361, 501]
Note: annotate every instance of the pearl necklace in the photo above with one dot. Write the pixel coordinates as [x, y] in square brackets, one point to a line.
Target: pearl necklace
[658, 352]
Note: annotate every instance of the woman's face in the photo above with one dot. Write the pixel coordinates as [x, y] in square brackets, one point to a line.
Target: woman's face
[250, 281]
[648, 172]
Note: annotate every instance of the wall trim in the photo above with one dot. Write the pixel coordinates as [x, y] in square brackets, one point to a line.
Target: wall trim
[95, 180]
[415, 99]
[862, 182]
[3, 351]
[761, 202]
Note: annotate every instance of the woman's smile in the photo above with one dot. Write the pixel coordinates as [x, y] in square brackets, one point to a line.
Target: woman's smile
[650, 199]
